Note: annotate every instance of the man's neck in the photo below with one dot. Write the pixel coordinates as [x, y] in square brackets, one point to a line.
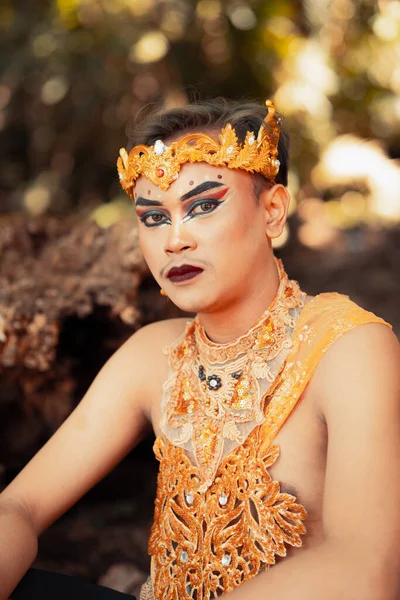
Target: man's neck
[226, 325]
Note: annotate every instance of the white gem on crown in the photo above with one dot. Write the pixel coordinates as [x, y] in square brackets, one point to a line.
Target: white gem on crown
[159, 147]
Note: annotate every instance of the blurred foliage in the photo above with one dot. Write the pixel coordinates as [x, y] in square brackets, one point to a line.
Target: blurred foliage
[74, 72]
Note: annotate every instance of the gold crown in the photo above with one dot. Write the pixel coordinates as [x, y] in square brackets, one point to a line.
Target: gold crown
[161, 164]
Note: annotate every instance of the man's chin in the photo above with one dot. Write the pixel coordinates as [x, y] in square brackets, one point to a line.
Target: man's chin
[195, 303]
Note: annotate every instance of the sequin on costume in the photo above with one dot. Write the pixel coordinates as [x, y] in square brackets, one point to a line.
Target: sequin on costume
[219, 517]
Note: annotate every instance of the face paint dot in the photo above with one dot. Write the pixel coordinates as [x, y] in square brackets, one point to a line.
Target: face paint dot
[149, 192]
[219, 176]
[191, 182]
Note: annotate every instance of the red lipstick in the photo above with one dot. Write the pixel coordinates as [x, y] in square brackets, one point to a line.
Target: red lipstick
[183, 273]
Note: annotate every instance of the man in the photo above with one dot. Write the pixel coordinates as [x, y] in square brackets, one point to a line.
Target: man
[276, 414]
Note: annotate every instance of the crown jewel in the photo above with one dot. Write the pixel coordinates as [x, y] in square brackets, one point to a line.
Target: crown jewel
[161, 164]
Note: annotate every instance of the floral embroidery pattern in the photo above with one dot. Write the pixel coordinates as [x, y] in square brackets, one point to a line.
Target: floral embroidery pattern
[207, 544]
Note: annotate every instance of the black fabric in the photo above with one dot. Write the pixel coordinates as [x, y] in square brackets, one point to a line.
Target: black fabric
[43, 585]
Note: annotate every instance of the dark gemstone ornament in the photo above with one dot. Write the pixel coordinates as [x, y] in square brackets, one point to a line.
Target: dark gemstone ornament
[160, 172]
[202, 373]
[237, 375]
[213, 382]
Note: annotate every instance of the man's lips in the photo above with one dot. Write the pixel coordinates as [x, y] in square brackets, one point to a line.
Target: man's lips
[183, 270]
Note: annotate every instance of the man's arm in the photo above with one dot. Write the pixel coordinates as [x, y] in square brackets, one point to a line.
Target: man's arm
[358, 386]
[105, 426]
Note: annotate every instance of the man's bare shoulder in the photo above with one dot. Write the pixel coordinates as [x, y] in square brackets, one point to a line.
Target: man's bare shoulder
[155, 336]
[357, 383]
[166, 327]
[145, 349]
[146, 344]
[355, 362]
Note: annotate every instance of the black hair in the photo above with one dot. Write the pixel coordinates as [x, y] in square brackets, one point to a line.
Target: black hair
[167, 124]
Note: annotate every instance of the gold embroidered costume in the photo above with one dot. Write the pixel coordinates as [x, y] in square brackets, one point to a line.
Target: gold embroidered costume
[219, 517]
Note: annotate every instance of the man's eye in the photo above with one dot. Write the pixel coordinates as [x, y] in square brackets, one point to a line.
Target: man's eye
[205, 207]
[152, 219]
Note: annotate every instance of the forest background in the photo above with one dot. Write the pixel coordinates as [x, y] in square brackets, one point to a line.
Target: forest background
[73, 285]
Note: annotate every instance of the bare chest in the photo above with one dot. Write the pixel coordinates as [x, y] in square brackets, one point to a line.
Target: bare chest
[301, 466]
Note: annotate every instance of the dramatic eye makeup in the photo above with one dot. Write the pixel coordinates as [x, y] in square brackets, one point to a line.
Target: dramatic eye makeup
[201, 206]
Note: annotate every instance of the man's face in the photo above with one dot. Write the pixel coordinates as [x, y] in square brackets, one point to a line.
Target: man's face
[209, 219]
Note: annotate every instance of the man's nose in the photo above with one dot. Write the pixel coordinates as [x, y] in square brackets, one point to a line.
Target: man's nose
[179, 238]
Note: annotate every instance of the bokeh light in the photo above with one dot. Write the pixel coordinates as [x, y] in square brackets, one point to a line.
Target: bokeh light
[151, 47]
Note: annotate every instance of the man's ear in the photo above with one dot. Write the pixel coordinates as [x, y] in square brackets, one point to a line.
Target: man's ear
[276, 204]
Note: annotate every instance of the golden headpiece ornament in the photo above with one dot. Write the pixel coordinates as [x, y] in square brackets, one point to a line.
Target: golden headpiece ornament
[161, 164]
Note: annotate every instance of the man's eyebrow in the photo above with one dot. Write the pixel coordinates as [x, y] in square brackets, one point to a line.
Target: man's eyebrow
[203, 187]
[146, 202]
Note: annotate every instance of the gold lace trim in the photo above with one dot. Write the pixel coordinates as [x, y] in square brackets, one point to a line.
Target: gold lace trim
[147, 590]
